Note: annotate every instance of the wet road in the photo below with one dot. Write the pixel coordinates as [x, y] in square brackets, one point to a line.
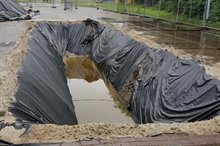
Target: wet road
[10, 33]
[190, 39]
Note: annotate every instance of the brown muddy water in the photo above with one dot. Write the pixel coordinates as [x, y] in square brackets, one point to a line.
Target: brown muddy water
[93, 103]
[194, 40]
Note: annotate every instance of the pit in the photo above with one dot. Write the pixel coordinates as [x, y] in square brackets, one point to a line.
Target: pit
[107, 99]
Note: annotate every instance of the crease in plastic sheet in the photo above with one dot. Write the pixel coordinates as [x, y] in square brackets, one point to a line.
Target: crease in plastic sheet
[11, 10]
[166, 89]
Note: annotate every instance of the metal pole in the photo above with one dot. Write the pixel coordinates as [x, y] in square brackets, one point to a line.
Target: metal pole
[133, 5]
[159, 9]
[97, 4]
[30, 4]
[177, 13]
[125, 5]
[65, 5]
[117, 5]
[76, 4]
[190, 10]
[204, 14]
[53, 5]
[145, 4]
[71, 6]
[208, 9]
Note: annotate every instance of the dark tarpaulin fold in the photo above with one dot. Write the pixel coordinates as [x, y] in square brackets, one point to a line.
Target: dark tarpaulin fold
[43, 95]
[11, 10]
[166, 89]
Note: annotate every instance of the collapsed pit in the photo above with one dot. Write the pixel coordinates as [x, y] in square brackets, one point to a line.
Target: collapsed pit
[153, 85]
[45, 133]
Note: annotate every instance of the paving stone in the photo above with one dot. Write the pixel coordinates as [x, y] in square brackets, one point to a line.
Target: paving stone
[90, 142]
[72, 144]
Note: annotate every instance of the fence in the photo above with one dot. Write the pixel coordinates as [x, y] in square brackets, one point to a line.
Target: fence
[205, 13]
[195, 12]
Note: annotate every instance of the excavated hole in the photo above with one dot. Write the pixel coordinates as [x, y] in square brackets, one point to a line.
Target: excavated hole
[91, 97]
[54, 133]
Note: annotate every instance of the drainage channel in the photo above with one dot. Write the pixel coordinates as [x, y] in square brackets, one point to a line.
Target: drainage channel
[93, 103]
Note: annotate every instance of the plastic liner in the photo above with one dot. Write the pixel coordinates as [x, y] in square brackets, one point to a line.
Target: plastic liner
[11, 10]
[166, 88]
[16, 125]
[43, 95]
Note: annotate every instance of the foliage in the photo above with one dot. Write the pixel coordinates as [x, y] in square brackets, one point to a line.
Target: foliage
[193, 8]
[215, 11]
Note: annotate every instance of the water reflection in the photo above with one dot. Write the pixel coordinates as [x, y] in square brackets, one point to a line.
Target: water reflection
[94, 104]
[191, 39]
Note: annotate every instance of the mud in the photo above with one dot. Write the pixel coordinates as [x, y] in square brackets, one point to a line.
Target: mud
[80, 67]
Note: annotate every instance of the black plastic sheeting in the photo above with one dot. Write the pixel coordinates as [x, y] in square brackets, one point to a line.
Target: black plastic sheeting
[11, 10]
[43, 95]
[167, 88]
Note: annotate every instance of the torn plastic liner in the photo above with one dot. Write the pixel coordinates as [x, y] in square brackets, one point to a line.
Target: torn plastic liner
[11, 10]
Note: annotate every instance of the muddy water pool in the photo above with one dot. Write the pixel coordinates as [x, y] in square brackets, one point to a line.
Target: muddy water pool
[93, 103]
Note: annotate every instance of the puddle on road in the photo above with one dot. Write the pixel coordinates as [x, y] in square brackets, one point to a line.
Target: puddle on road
[93, 103]
[191, 39]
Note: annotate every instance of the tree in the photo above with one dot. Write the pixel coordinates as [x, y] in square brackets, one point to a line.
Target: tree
[214, 11]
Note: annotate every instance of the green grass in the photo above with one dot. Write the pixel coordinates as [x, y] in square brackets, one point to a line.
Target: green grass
[21, 1]
[213, 24]
[153, 12]
[86, 4]
[138, 9]
[24, 1]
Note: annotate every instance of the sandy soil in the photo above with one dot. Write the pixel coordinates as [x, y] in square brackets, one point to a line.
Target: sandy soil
[57, 134]
[80, 67]
[9, 66]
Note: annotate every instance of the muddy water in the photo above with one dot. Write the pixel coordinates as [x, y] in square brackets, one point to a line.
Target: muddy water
[92, 99]
[200, 43]
[93, 103]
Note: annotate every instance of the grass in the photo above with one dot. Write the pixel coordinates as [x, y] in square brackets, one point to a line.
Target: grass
[214, 25]
[153, 12]
[86, 4]
[21, 1]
